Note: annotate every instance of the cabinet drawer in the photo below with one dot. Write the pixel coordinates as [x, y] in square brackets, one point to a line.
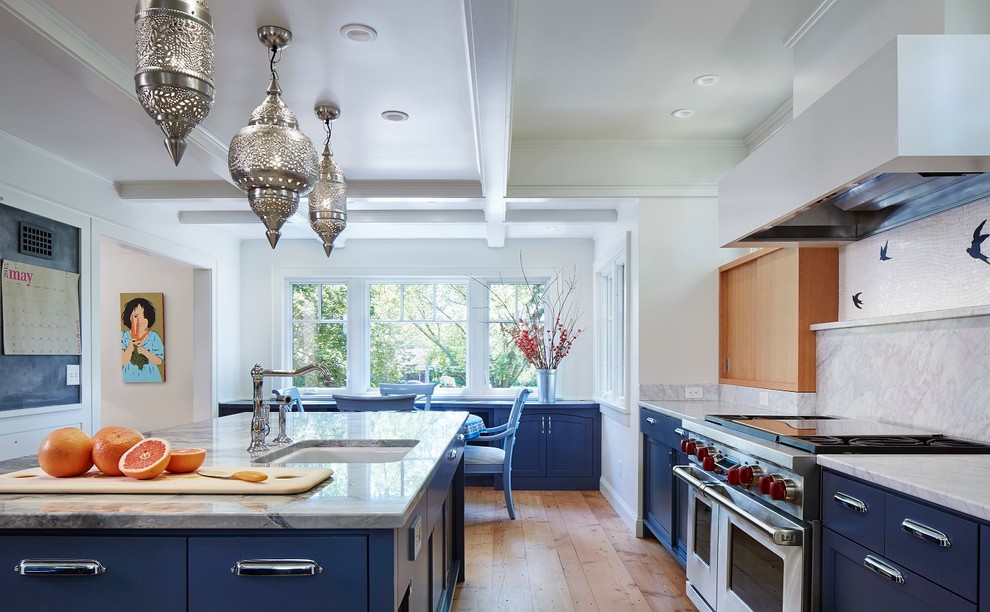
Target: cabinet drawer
[854, 509]
[913, 535]
[849, 585]
[342, 585]
[660, 427]
[146, 572]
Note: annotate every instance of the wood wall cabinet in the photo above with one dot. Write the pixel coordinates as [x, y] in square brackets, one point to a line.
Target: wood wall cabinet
[767, 302]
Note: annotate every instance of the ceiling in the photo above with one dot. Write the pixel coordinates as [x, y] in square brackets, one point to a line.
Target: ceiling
[484, 82]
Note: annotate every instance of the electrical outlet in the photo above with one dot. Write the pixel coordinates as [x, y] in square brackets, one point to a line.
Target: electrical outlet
[693, 393]
[764, 398]
[71, 375]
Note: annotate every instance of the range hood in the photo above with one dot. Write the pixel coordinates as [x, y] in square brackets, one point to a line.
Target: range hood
[904, 136]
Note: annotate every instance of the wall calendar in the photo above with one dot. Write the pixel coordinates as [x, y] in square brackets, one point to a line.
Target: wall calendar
[40, 310]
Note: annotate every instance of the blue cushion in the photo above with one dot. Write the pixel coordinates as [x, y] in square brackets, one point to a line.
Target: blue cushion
[484, 455]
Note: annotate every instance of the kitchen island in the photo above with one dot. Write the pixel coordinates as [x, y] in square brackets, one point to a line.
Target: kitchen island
[376, 536]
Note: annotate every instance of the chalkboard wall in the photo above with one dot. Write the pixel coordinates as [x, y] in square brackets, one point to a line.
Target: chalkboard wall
[30, 381]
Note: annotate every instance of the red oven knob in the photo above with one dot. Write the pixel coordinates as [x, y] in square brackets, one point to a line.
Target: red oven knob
[691, 447]
[684, 445]
[701, 452]
[766, 481]
[745, 476]
[733, 476]
[708, 464]
[783, 489]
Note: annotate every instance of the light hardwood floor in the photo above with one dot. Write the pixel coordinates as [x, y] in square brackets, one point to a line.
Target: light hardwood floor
[566, 550]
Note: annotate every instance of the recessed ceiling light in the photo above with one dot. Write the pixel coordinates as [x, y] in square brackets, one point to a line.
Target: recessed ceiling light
[706, 80]
[683, 113]
[358, 32]
[395, 115]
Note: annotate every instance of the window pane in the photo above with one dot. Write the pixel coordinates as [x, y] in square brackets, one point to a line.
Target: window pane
[502, 302]
[452, 302]
[334, 302]
[417, 302]
[385, 301]
[506, 365]
[323, 343]
[419, 352]
[304, 302]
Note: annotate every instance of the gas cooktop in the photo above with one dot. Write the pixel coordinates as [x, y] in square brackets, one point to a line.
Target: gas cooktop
[824, 434]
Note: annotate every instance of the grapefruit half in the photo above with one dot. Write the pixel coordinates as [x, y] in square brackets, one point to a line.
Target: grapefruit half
[146, 459]
[185, 460]
[110, 444]
[66, 452]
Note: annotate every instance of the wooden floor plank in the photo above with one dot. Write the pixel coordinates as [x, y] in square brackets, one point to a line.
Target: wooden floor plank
[566, 550]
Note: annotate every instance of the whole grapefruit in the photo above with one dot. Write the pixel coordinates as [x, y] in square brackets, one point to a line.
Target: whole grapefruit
[146, 459]
[66, 452]
[110, 444]
[185, 460]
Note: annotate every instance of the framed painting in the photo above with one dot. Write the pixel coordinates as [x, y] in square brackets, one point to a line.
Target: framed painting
[142, 337]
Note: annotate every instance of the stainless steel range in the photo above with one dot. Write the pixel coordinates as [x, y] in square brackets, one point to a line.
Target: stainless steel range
[753, 510]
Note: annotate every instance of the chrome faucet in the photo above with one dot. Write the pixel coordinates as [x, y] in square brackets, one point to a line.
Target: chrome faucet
[259, 422]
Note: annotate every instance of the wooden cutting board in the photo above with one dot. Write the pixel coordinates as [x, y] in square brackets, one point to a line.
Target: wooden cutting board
[281, 481]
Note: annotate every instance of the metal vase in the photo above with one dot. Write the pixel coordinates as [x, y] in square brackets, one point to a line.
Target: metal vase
[546, 386]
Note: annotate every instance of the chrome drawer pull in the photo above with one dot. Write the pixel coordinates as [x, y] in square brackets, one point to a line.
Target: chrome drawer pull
[60, 567]
[651, 420]
[680, 432]
[926, 533]
[276, 567]
[452, 455]
[851, 502]
[878, 566]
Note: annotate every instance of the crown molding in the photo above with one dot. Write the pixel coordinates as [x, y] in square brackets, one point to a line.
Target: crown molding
[661, 143]
[659, 190]
[769, 126]
[809, 23]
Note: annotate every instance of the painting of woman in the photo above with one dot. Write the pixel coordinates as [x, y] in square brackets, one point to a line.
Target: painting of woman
[142, 350]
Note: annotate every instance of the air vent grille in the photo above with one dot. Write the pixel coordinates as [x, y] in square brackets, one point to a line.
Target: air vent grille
[35, 241]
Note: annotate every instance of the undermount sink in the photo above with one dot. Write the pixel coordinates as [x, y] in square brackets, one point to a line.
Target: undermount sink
[339, 451]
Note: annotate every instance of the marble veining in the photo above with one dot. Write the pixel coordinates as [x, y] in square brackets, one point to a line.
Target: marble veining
[359, 495]
[697, 410]
[923, 476]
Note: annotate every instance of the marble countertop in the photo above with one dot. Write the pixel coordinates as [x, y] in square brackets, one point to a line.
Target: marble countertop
[697, 409]
[358, 496]
[925, 477]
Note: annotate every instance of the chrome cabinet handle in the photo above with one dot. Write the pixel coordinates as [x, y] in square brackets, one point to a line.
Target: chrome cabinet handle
[848, 501]
[276, 567]
[680, 432]
[549, 424]
[890, 573]
[452, 454]
[651, 420]
[926, 533]
[60, 567]
[543, 425]
[460, 437]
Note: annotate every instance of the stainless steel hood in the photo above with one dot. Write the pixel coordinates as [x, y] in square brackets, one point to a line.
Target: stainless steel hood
[906, 135]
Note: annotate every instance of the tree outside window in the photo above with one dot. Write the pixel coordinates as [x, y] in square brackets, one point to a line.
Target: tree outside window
[319, 335]
[507, 303]
[419, 333]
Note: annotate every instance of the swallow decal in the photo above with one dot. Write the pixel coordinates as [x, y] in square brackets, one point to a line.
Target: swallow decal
[858, 303]
[975, 249]
[883, 252]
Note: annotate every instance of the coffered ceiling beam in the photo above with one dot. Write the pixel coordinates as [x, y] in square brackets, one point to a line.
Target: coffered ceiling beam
[219, 190]
[239, 217]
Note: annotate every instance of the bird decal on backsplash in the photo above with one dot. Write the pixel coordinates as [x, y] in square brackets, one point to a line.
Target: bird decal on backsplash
[858, 303]
[883, 252]
[975, 249]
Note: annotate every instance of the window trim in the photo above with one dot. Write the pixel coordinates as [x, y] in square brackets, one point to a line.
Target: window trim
[614, 349]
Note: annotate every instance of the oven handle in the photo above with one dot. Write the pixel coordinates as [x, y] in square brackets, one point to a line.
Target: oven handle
[780, 537]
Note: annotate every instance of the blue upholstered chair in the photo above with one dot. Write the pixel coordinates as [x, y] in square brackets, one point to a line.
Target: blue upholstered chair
[293, 394]
[374, 403]
[424, 389]
[498, 459]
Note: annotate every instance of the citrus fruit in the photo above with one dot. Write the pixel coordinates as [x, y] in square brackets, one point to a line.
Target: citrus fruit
[66, 452]
[110, 444]
[146, 459]
[185, 460]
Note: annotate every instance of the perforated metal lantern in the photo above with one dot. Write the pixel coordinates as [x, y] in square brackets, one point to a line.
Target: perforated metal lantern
[271, 160]
[173, 74]
[328, 200]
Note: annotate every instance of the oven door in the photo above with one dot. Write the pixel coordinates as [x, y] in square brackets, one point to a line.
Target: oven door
[702, 550]
[743, 556]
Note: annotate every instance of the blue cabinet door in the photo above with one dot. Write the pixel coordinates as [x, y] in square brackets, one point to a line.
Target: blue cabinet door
[848, 585]
[658, 489]
[148, 573]
[570, 446]
[342, 585]
[529, 457]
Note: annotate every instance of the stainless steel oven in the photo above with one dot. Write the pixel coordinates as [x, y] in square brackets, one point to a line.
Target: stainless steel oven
[747, 550]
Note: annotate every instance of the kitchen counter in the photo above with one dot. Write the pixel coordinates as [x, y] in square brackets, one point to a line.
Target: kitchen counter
[697, 409]
[358, 496]
[924, 477]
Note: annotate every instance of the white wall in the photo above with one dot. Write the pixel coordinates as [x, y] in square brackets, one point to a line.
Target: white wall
[146, 406]
[264, 272]
[674, 318]
[33, 180]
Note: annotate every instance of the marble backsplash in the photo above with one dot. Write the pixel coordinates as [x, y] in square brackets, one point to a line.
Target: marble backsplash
[933, 374]
[783, 402]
